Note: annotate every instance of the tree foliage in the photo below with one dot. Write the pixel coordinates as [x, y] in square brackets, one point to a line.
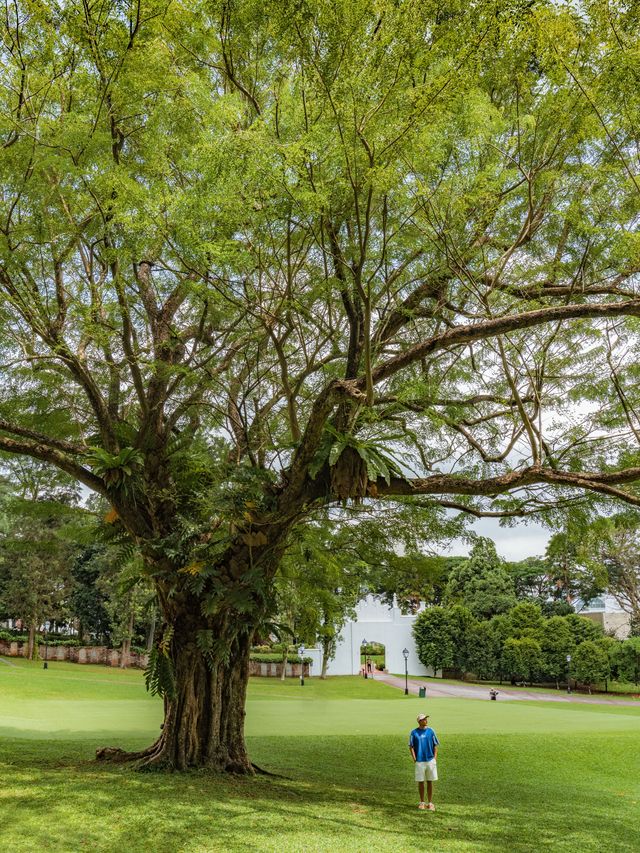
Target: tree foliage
[433, 634]
[626, 658]
[590, 663]
[36, 551]
[481, 583]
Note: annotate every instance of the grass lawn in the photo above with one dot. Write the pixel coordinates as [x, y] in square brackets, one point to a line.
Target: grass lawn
[519, 776]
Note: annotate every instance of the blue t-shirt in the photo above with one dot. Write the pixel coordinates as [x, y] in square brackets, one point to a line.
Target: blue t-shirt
[423, 742]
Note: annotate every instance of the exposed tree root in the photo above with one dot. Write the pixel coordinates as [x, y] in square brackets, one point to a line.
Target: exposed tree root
[115, 755]
[262, 772]
[155, 758]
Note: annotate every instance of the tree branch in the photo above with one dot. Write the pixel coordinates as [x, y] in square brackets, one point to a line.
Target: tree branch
[461, 335]
[54, 457]
[451, 484]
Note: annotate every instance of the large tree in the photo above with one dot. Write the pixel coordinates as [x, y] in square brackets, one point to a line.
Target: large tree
[258, 258]
[613, 544]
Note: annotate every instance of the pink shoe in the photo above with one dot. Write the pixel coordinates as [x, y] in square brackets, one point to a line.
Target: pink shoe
[430, 807]
[422, 805]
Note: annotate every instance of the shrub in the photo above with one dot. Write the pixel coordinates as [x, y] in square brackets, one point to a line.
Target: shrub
[590, 663]
[265, 658]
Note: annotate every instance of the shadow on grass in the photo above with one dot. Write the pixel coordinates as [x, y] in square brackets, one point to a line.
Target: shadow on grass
[346, 793]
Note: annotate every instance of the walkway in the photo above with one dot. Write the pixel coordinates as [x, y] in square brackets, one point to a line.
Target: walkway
[440, 689]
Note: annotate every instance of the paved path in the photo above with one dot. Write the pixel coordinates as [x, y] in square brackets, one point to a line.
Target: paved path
[476, 691]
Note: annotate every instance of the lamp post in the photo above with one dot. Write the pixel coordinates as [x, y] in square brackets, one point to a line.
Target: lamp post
[405, 654]
[301, 653]
[568, 673]
[45, 665]
[364, 668]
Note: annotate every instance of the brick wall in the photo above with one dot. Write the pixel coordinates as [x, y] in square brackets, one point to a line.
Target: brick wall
[111, 657]
[75, 654]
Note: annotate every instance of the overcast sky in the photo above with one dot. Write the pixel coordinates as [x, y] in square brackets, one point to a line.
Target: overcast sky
[512, 543]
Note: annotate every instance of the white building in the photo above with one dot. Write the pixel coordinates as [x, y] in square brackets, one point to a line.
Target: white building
[375, 622]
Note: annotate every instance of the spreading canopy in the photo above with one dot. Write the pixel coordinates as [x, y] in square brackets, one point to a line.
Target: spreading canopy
[419, 228]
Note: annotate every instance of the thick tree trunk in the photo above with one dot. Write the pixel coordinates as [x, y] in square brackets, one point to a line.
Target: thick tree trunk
[125, 650]
[328, 648]
[32, 645]
[204, 723]
[205, 644]
[151, 632]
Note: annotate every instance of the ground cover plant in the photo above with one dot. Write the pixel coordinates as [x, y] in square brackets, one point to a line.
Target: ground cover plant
[519, 776]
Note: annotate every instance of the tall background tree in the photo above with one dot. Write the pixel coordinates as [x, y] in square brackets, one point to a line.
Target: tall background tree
[257, 259]
[612, 546]
[35, 559]
[481, 583]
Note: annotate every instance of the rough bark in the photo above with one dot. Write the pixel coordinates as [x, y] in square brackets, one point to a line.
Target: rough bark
[204, 722]
[151, 633]
[125, 651]
[32, 645]
[328, 650]
[325, 665]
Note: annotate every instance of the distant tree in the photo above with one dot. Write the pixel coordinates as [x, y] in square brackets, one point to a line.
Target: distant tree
[461, 623]
[409, 579]
[87, 601]
[531, 579]
[556, 608]
[556, 643]
[572, 575]
[433, 636]
[523, 658]
[320, 583]
[590, 663]
[609, 644]
[501, 630]
[481, 583]
[289, 611]
[626, 658]
[614, 545]
[582, 628]
[484, 650]
[128, 599]
[526, 620]
[34, 565]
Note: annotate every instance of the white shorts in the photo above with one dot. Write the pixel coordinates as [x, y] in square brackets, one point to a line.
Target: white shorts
[426, 770]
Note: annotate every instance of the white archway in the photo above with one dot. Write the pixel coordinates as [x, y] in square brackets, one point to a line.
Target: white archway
[377, 623]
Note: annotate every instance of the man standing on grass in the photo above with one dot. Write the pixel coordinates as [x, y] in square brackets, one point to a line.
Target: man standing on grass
[423, 745]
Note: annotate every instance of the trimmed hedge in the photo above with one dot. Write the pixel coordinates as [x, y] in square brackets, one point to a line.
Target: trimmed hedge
[8, 637]
[263, 658]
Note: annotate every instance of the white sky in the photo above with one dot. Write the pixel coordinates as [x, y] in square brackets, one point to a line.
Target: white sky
[512, 543]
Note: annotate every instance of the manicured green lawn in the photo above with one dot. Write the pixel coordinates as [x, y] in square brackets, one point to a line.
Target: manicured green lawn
[515, 776]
